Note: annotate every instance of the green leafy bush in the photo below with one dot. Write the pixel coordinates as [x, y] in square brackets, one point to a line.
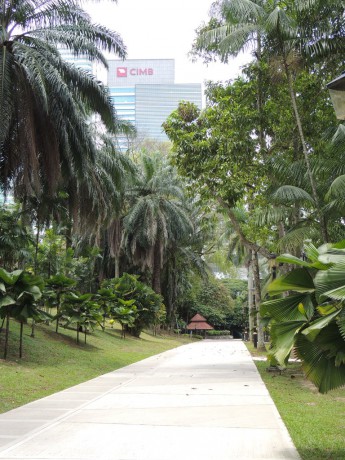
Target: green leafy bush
[217, 333]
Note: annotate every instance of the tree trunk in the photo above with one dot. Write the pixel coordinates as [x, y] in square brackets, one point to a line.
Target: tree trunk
[117, 266]
[250, 245]
[36, 248]
[156, 275]
[262, 140]
[33, 329]
[257, 289]
[6, 335]
[251, 304]
[21, 340]
[323, 224]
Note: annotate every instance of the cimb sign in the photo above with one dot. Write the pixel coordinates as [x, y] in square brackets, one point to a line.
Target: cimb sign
[133, 72]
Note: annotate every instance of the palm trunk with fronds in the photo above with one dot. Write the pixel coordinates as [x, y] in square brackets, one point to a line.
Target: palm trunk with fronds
[156, 271]
[323, 225]
[257, 290]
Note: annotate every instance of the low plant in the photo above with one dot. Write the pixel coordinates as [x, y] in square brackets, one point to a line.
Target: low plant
[217, 333]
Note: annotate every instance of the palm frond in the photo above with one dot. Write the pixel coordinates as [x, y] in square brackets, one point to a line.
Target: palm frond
[292, 194]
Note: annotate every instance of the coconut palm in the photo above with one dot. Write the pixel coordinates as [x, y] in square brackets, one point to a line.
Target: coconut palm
[156, 217]
[44, 100]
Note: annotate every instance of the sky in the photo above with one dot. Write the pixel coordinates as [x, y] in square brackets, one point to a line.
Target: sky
[162, 29]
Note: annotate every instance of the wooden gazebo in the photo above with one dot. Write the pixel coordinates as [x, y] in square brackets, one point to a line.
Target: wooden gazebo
[199, 323]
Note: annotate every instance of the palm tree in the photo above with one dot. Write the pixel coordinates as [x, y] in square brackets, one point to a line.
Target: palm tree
[311, 318]
[156, 217]
[184, 256]
[282, 30]
[44, 100]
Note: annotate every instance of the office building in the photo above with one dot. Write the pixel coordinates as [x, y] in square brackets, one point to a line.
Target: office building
[145, 93]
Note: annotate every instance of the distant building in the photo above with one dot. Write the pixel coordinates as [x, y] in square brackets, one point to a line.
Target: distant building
[145, 93]
[79, 61]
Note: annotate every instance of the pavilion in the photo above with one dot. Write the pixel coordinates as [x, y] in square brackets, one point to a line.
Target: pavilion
[199, 323]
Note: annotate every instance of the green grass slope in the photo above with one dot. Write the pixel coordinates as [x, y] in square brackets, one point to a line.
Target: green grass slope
[315, 421]
[52, 362]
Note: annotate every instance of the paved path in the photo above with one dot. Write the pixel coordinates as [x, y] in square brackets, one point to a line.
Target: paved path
[200, 401]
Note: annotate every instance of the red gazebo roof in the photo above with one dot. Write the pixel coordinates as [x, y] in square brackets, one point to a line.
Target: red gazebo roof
[199, 322]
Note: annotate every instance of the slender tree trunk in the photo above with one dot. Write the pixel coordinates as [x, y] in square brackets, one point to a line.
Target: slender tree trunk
[68, 236]
[257, 288]
[6, 335]
[77, 332]
[117, 266]
[251, 304]
[36, 248]
[33, 329]
[58, 297]
[323, 225]
[156, 275]
[21, 340]
[250, 245]
[260, 98]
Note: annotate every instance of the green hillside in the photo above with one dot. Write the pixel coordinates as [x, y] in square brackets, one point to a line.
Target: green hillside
[52, 362]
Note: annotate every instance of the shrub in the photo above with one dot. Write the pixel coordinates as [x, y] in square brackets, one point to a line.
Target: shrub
[217, 333]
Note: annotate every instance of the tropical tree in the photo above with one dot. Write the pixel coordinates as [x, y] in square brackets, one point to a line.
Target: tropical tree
[125, 313]
[44, 100]
[81, 310]
[60, 285]
[216, 151]
[306, 313]
[19, 291]
[133, 292]
[283, 33]
[156, 217]
[15, 238]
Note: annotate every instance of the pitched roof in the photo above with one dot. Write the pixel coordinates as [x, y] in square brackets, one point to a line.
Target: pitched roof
[199, 322]
[199, 326]
[197, 317]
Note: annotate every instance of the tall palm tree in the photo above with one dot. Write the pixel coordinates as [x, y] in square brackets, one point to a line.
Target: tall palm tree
[282, 30]
[156, 217]
[44, 100]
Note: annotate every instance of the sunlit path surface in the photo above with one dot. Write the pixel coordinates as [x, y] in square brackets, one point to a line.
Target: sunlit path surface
[201, 401]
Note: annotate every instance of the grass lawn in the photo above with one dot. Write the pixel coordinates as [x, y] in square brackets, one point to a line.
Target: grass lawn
[52, 362]
[315, 422]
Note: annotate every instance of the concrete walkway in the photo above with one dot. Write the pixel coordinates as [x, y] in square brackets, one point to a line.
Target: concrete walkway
[200, 401]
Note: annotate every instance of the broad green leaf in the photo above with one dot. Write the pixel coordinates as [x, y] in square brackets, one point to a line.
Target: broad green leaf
[289, 259]
[25, 297]
[301, 309]
[332, 256]
[329, 280]
[339, 245]
[319, 358]
[285, 308]
[283, 338]
[336, 294]
[315, 327]
[298, 280]
[10, 278]
[7, 300]
[326, 309]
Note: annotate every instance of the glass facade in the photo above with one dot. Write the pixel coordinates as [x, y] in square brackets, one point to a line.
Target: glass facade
[144, 93]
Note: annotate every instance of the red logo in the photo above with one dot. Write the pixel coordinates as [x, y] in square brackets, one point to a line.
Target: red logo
[121, 72]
